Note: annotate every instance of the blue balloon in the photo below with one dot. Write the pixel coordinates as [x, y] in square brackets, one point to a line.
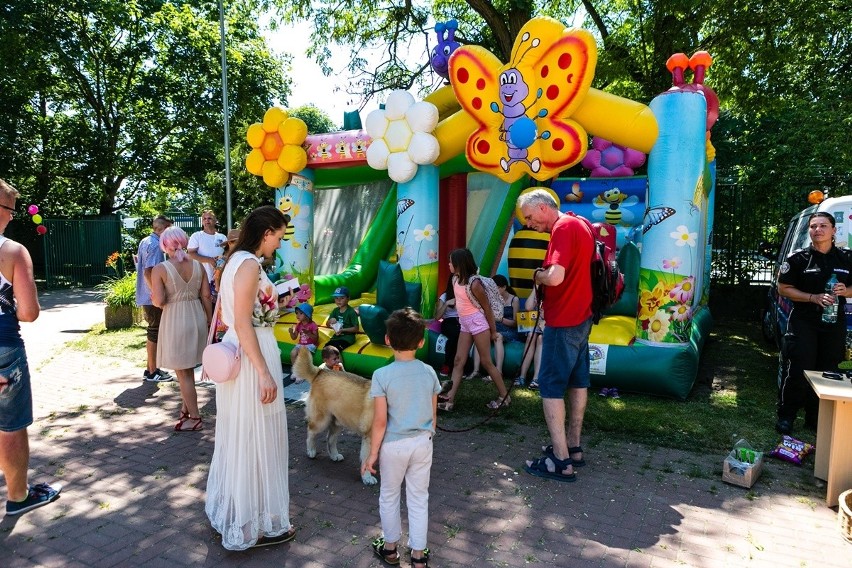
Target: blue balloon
[522, 133]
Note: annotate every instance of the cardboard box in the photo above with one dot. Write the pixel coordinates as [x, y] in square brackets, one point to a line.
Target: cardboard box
[739, 473]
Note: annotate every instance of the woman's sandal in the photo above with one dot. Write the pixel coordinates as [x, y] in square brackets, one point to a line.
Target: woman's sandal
[548, 450]
[446, 406]
[198, 426]
[499, 403]
[272, 540]
[388, 556]
[539, 468]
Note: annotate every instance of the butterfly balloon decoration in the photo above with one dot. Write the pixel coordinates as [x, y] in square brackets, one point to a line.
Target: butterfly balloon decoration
[523, 107]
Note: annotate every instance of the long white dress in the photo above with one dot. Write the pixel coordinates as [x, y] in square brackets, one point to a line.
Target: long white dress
[247, 490]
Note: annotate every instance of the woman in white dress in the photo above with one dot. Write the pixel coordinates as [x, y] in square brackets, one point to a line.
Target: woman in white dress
[248, 498]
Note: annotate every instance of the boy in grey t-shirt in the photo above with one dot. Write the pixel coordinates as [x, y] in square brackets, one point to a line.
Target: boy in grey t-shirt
[405, 399]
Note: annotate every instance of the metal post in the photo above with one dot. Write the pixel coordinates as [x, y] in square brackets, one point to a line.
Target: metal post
[228, 208]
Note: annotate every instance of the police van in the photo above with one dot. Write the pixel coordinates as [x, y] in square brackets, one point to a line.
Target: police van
[778, 308]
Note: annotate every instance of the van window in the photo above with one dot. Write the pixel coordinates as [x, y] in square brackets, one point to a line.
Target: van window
[802, 238]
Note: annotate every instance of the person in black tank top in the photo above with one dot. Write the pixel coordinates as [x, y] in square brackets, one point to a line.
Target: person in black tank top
[18, 302]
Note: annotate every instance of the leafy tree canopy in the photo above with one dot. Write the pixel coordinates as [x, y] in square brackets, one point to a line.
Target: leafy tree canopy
[107, 103]
[780, 68]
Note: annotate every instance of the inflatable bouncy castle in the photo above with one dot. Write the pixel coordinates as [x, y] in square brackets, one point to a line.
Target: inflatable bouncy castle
[451, 167]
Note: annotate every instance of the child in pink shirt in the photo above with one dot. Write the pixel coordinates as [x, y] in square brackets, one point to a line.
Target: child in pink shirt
[306, 330]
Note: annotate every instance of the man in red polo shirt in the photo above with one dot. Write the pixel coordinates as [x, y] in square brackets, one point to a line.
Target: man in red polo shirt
[567, 309]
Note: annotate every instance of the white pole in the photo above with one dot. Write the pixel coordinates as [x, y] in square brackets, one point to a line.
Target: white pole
[228, 207]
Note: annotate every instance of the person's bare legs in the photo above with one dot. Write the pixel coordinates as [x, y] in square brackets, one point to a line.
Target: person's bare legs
[14, 461]
[537, 357]
[186, 381]
[554, 415]
[577, 398]
[462, 350]
[499, 352]
[151, 352]
[529, 352]
[482, 341]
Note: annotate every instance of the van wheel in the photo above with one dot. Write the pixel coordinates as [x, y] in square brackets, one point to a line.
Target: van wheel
[768, 328]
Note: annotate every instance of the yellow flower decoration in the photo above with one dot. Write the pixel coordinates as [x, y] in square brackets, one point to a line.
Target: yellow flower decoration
[277, 148]
[650, 302]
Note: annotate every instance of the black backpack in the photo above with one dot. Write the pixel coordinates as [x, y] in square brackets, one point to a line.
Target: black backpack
[607, 279]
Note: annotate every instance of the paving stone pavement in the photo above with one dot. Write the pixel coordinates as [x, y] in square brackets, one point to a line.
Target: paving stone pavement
[134, 491]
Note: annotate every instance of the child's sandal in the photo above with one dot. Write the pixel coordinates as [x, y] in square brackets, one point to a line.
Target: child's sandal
[422, 561]
[388, 556]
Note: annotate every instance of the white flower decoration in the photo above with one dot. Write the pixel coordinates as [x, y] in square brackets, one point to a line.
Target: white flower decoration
[424, 234]
[683, 237]
[658, 326]
[402, 136]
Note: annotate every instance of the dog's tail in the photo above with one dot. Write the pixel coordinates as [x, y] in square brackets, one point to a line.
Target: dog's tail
[303, 366]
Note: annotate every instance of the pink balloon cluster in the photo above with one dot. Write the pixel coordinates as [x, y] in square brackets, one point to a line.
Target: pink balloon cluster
[33, 210]
[607, 159]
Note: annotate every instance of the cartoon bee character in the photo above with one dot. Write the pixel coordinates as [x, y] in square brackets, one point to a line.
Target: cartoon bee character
[324, 150]
[286, 206]
[360, 147]
[611, 202]
[342, 149]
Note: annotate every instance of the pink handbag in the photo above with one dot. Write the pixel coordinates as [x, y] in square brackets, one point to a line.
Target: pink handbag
[220, 362]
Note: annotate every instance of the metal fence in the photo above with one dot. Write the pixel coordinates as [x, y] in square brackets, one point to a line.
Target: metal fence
[73, 252]
[76, 250]
[747, 236]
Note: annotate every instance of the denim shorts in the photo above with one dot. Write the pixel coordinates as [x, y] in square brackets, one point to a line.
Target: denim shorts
[564, 359]
[16, 397]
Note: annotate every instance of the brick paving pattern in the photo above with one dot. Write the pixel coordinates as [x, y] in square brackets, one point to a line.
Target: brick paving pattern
[134, 492]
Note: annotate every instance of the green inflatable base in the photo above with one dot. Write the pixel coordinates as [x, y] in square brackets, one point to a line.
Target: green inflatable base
[667, 371]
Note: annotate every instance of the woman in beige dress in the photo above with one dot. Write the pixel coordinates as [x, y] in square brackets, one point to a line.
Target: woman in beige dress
[179, 286]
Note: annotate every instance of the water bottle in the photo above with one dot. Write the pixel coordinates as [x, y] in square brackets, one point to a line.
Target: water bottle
[829, 312]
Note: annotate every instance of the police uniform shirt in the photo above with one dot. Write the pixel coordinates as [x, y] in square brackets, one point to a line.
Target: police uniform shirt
[808, 270]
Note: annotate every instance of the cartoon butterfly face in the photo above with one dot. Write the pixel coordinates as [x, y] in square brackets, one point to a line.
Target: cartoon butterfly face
[523, 107]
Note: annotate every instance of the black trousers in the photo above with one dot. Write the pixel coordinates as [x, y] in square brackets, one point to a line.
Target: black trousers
[451, 328]
[812, 346]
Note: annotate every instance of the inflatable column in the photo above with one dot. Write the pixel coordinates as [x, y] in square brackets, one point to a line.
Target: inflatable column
[417, 233]
[294, 258]
[673, 248]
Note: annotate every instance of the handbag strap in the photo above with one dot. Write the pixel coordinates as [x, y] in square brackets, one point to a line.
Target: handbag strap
[211, 333]
[214, 320]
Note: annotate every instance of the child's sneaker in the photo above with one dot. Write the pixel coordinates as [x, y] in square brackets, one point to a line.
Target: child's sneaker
[39, 495]
[604, 392]
[613, 393]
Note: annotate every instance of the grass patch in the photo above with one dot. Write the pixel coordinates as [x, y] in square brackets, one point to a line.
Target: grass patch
[127, 344]
[733, 397]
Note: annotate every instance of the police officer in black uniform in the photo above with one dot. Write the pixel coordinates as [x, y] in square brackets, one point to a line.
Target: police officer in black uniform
[810, 344]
